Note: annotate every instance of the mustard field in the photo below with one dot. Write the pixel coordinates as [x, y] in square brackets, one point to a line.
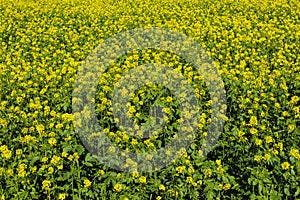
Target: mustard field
[46, 138]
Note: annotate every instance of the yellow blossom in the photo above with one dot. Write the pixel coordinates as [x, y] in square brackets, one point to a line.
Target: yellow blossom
[253, 121]
[87, 183]
[269, 139]
[227, 186]
[46, 184]
[253, 131]
[62, 196]
[118, 187]
[285, 165]
[162, 187]
[295, 153]
[52, 141]
[142, 179]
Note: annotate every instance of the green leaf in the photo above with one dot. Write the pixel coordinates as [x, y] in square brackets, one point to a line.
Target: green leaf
[88, 164]
[297, 192]
[286, 191]
[260, 188]
[80, 149]
[34, 159]
[210, 195]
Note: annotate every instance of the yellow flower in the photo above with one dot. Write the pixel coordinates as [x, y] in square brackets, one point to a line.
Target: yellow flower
[162, 187]
[220, 170]
[285, 113]
[267, 156]
[33, 169]
[220, 185]
[295, 153]
[3, 148]
[64, 154]
[22, 167]
[119, 175]
[60, 167]
[101, 172]
[51, 134]
[169, 99]
[62, 196]
[296, 109]
[291, 127]
[227, 186]
[50, 170]
[9, 172]
[46, 184]
[257, 158]
[134, 142]
[240, 133]
[19, 151]
[180, 169]
[269, 139]
[6, 154]
[275, 152]
[43, 167]
[70, 157]
[142, 179]
[68, 138]
[189, 180]
[52, 141]
[22, 173]
[279, 145]
[55, 159]
[253, 121]
[118, 187]
[191, 170]
[253, 131]
[76, 156]
[207, 172]
[294, 100]
[87, 183]
[135, 174]
[285, 165]
[25, 130]
[258, 142]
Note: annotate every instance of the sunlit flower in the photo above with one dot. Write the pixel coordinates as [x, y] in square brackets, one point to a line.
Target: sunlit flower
[87, 183]
[118, 187]
[285, 165]
[62, 196]
[269, 139]
[142, 179]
